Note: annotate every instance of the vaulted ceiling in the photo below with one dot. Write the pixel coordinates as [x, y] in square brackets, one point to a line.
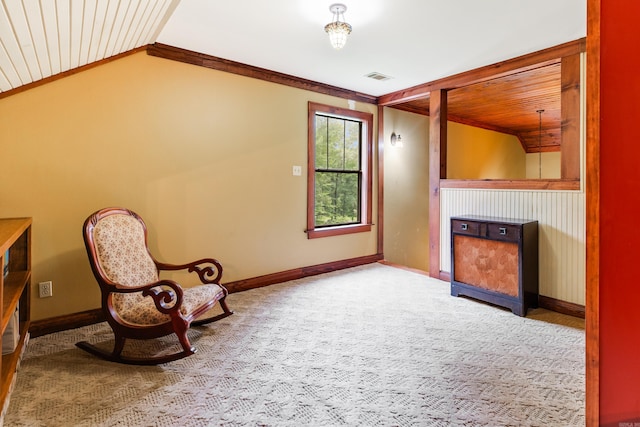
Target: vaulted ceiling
[39, 39]
[410, 41]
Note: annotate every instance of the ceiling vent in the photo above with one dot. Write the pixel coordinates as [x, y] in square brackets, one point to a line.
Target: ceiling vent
[378, 76]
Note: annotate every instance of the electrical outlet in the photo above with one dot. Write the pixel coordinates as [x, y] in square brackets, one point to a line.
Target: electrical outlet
[45, 289]
[297, 170]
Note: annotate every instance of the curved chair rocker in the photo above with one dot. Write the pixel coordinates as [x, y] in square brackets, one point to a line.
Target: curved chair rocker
[137, 304]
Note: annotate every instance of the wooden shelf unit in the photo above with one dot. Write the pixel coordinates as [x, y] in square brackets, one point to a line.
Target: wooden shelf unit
[495, 260]
[15, 287]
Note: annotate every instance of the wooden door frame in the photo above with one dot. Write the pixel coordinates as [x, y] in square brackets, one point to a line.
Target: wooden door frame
[592, 189]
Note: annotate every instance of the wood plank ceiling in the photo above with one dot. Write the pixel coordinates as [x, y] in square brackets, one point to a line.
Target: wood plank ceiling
[39, 39]
[509, 104]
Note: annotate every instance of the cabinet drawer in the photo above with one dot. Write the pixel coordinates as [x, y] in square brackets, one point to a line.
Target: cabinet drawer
[465, 227]
[506, 232]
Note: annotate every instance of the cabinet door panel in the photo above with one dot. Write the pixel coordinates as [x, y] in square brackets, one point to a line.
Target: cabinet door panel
[487, 264]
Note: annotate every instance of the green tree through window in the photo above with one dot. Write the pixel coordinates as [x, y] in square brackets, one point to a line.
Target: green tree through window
[340, 170]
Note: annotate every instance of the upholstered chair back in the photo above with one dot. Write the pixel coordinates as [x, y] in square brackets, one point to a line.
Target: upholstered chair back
[123, 256]
[122, 251]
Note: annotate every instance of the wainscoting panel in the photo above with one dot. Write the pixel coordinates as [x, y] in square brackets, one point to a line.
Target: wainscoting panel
[561, 221]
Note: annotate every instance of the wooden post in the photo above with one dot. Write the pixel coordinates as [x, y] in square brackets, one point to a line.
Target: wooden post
[437, 171]
[570, 96]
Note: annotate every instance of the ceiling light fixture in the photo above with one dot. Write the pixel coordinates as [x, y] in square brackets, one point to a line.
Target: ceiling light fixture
[338, 30]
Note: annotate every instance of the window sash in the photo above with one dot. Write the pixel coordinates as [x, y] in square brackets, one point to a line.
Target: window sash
[337, 207]
[338, 149]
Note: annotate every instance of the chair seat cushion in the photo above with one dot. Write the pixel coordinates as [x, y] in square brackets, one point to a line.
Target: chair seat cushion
[137, 310]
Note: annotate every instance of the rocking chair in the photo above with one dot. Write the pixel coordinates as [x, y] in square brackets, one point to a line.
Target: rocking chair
[137, 304]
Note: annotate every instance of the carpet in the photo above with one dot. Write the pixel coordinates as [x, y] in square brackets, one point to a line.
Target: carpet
[368, 346]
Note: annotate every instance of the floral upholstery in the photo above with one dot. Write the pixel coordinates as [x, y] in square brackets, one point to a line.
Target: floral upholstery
[123, 256]
[138, 310]
[121, 248]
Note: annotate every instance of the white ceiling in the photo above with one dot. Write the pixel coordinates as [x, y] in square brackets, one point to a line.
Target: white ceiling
[412, 41]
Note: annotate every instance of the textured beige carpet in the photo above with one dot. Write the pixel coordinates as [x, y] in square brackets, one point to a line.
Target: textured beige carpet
[371, 346]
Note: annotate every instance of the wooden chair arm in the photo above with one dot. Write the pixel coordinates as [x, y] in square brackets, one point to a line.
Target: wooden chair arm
[166, 300]
[209, 270]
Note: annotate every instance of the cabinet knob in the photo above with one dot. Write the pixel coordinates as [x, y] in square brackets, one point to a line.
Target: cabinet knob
[503, 231]
[464, 226]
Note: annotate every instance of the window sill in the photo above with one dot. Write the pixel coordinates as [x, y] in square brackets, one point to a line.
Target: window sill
[337, 231]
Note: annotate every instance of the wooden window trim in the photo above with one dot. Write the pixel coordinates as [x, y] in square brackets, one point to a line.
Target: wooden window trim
[367, 163]
[338, 230]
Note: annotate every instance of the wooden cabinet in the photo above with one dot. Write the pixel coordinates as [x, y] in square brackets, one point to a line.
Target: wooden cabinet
[495, 260]
[15, 284]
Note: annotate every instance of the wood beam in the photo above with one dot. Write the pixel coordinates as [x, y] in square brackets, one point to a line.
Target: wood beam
[380, 222]
[437, 171]
[570, 112]
[182, 55]
[522, 63]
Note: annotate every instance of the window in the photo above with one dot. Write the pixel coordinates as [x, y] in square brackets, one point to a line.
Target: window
[339, 171]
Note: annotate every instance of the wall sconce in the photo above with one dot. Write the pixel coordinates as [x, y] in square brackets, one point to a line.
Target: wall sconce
[396, 140]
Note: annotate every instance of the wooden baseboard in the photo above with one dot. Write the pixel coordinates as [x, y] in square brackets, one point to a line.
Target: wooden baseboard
[445, 275]
[548, 303]
[563, 307]
[89, 317]
[298, 273]
[62, 323]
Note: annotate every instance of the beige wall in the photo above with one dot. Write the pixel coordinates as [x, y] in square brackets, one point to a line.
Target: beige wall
[406, 190]
[545, 165]
[204, 156]
[475, 153]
